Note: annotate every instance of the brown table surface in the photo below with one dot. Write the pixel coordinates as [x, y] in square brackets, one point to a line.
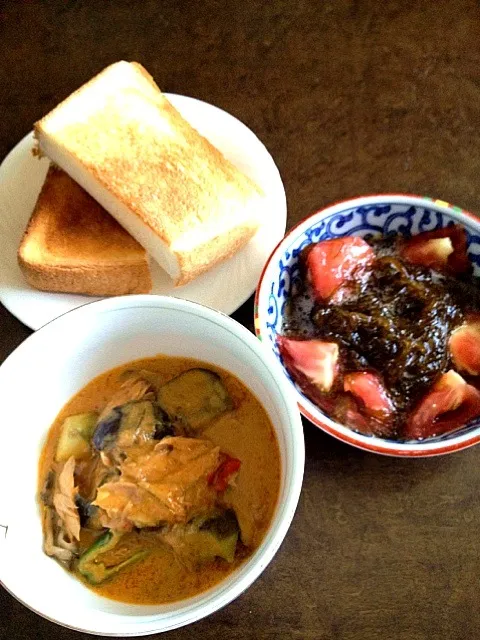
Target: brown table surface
[351, 97]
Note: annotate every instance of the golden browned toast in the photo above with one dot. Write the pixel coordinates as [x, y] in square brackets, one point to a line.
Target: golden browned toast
[73, 245]
[124, 142]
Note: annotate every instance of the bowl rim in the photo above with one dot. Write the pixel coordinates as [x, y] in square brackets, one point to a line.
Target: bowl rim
[217, 597]
[372, 444]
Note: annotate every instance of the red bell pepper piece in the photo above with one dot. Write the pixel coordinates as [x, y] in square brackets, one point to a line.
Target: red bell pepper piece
[222, 476]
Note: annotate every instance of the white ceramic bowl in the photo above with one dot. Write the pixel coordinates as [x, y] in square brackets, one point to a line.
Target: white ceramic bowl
[53, 364]
[364, 216]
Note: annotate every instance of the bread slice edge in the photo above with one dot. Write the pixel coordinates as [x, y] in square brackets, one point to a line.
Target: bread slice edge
[90, 281]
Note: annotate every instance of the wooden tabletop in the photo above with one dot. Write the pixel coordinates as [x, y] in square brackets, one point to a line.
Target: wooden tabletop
[351, 97]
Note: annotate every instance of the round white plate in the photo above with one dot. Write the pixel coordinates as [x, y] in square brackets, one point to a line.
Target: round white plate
[223, 288]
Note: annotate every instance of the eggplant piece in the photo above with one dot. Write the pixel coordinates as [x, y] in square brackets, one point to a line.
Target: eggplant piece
[222, 525]
[203, 540]
[107, 429]
[195, 398]
[130, 424]
[90, 564]
[142, 421]
[88, 513]
[217, 537]
[133, 388]
[137, 424]
[75, 436]
[163, 424]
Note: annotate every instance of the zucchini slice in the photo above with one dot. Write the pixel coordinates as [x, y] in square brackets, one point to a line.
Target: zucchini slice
[90, 563]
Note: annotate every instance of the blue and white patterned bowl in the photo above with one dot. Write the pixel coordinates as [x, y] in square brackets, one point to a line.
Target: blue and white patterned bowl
[367, 217]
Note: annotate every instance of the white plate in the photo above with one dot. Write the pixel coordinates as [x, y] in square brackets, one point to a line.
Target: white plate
[224, 288]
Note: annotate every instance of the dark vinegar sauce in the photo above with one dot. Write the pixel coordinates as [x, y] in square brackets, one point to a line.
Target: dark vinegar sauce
[395, 322]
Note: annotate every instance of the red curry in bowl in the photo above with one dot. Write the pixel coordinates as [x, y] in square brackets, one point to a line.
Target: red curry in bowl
[158, 479]
[384, 335]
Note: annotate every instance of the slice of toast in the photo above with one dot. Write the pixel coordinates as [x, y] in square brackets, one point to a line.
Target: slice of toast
[124, 143]
[73, 245]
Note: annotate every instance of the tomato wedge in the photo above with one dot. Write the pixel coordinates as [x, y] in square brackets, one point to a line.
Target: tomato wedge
[464, 345]
[223, 475]
[368, 388]
[444, 250]
[449, 405]
[314, 359]
[331, 263]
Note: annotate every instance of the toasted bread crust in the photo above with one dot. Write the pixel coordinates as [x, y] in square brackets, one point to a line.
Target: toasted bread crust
[71, 244]
[109, 281]
[137, 146]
